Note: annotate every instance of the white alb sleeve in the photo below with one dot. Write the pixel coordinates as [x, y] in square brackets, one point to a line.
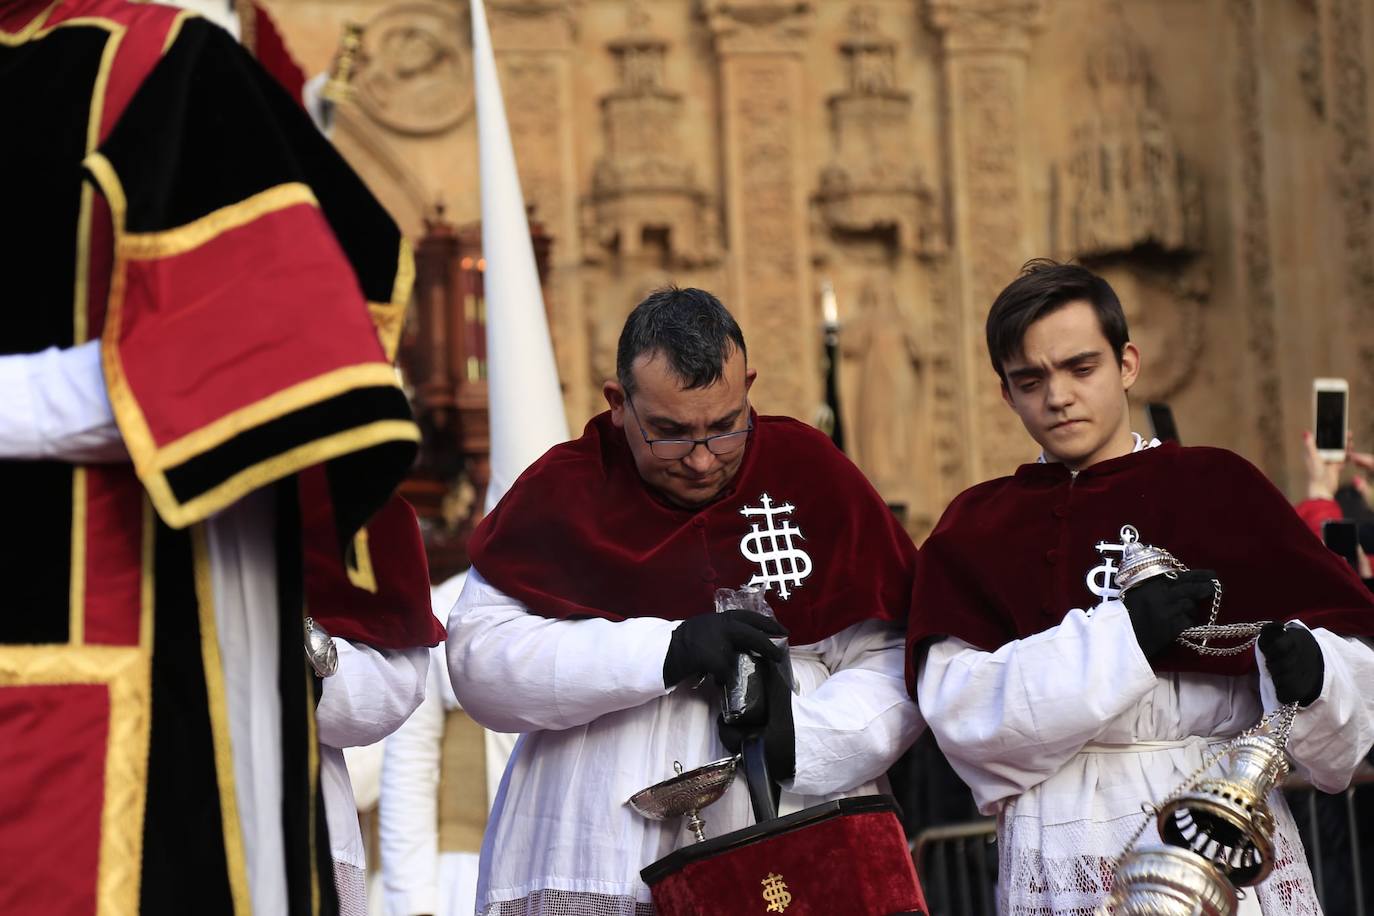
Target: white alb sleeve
[371, 693]
[55, 408]
[1332, 735]
[1007, 720]
[860, 719]
[514, 671]
[408, 823]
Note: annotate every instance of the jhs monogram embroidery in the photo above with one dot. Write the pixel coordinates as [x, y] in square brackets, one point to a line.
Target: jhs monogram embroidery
[781, 562]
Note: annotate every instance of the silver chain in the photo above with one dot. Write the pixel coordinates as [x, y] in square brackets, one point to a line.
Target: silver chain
[1279, 722]
[1283, 715]
[1196, 638]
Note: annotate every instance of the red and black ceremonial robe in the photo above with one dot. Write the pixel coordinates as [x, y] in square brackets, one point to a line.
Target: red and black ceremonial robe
[580, 534]
[1011, 556]
[166, 197]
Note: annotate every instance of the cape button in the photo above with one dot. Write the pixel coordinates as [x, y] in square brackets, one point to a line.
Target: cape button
[708, 574]
[1051, 556]
[1061, 511]
[699, 522]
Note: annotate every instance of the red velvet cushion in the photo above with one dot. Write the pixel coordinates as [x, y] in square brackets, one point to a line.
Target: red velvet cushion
[843, 863]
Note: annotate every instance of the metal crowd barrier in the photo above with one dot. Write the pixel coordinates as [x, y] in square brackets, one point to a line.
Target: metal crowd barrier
[957, 863]
[1338, 834]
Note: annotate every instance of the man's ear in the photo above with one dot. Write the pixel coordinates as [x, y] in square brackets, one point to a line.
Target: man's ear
[749, 376]
[615, 398]
[1130, 365]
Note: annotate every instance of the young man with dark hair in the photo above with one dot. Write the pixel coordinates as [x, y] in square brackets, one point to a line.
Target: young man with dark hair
[1065, 704]
[587, 619]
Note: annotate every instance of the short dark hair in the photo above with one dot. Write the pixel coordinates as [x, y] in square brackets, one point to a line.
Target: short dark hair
[690, 327]
[1043, 287]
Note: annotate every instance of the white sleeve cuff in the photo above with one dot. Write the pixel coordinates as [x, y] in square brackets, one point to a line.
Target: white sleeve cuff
[56, 407]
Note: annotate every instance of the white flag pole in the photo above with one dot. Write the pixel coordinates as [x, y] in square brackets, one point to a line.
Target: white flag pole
[526, 403]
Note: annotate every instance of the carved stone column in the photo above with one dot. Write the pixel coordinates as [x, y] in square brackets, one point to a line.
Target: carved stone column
[872, 185]
[534, 41]
[759, 47]
[645, 203]
[1346, 73]
[985, 44]
[1254, 245]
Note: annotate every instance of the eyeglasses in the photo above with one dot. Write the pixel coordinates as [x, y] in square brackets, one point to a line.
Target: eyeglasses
[674, 449]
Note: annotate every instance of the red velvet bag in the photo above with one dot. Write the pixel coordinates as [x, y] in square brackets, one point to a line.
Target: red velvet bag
[843, 857]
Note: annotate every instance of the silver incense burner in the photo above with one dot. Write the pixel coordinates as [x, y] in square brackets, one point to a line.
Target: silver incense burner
[686, 793]
[1218, 831]
[1169, 881]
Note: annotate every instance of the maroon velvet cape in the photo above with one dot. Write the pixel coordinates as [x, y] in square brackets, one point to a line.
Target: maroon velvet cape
[1011, 556]
[385, 603]
[581, 535]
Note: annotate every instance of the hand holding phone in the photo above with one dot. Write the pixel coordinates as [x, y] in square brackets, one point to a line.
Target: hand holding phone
[1330, 398]
[1342, 536]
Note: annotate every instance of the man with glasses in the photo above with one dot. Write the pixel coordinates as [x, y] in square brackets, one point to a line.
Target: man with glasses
[587, 619]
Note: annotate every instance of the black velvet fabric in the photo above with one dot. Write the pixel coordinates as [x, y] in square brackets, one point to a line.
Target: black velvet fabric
[40, 156]
[224, 130]
[184, 866]
[44, 141]
[354, 474]
[207, 129]
[36, 551]
[258, 443]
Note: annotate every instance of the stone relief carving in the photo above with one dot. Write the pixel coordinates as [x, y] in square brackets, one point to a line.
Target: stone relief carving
[767, 193]
[1163, 301]
[1311, 62]
[1349, 85]
[1125, 184]
[416, 71]
[535, 43]
[530, 83]
[1125, 201]
[986, 25]
[872, 184]
[949, 439]
[759, 49]
[758, 25]
[533, 25]
[890, 359]
[1257, 280]
[645, 199]
[996, 248]
[984, 44]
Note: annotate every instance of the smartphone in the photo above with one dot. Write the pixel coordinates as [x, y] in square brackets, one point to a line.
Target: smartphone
[1161, 422]
[1329, 410]
[1341, 535]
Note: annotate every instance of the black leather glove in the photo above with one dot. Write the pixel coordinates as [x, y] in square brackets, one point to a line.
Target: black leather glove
[779, 734]
[1161, 608]
[708, 644]
[1295, 663]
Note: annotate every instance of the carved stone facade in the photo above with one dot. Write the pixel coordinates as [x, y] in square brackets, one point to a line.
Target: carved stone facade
[984, 46]
[645, 201]
[759, 49]
[872, 183]
[1127, 202]
[1211, 157]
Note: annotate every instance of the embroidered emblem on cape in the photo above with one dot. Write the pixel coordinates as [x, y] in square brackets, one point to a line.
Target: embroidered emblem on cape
[1102, 578]
[775, 893]
[781, 562]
